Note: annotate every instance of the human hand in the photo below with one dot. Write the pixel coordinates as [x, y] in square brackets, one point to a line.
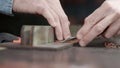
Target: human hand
[51, 10]
[105, 17]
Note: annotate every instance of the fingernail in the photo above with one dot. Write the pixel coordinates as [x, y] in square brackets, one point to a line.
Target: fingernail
[107, 36]
[82, 43]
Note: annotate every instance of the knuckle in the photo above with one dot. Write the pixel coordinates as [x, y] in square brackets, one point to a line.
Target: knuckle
[43, 10]
[64, 19]
[57, 26]
[86, 20]
[98, 29]
[77, 35]
[62, 16]
[89, 21]
[80, 33]
[56, 19]
[50, 19]
[54, 26]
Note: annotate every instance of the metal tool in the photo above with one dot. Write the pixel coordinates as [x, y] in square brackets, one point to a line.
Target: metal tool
[70, 40]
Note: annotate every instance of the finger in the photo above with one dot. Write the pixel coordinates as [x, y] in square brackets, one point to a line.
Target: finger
[113, 29]
[63, 19]
[98, 29]
[52, 20]
[44, 10]
[66, 30]
[48, 15]
[90, 21]
[65, 23]
[94, 18]
[58, 29]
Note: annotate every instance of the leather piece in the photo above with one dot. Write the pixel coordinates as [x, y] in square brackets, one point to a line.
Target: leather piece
[7, 37]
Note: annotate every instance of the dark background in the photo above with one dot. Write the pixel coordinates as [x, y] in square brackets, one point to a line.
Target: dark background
[76, 10]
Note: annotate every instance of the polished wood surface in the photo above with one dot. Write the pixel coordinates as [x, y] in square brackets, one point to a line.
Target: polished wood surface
[74, 57]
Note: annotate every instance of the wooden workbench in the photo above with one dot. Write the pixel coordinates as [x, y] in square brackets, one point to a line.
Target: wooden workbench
[74, 57]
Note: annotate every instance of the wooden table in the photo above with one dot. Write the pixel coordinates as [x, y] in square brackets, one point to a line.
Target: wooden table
[74, 57]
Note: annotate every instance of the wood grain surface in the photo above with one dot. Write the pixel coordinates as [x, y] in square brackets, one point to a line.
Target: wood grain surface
[74, 57]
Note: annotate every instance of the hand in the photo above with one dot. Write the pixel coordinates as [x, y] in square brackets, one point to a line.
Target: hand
[105, 17]
[51, 10]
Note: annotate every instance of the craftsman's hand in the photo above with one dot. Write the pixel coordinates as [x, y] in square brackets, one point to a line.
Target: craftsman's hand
[51, 10]
[106, 16]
